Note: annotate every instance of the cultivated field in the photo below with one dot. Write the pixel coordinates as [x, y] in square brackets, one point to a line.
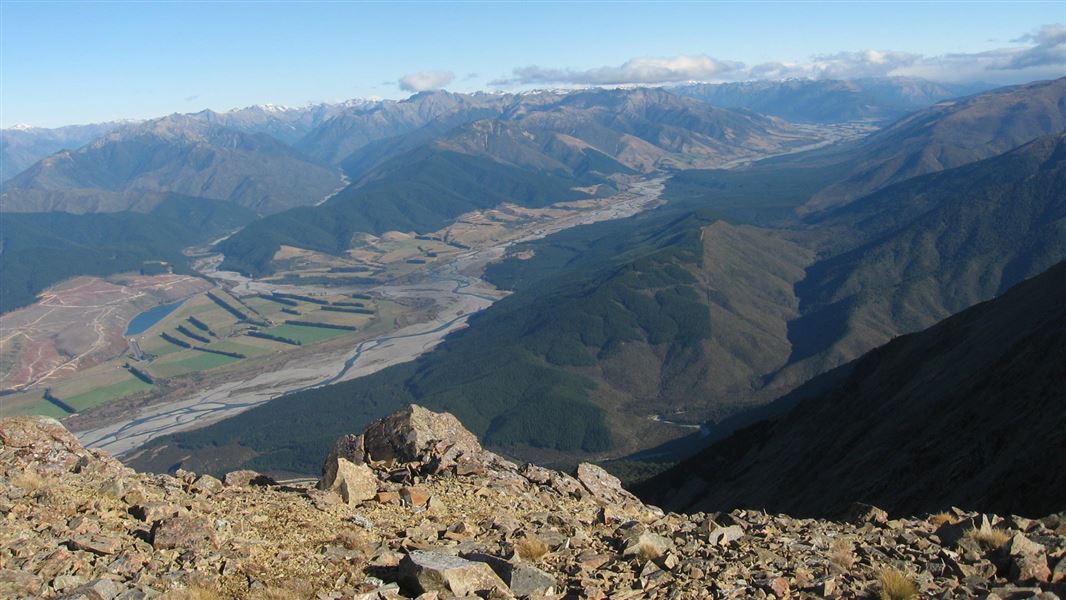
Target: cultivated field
[78, 324]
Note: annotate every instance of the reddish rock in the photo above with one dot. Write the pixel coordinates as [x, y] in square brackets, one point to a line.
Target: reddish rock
[414, 495]
[388, 497]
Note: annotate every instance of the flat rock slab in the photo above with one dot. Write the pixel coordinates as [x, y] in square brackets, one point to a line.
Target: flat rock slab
[426, 571]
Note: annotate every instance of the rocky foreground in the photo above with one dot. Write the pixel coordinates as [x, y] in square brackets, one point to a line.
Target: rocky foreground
[414, 507]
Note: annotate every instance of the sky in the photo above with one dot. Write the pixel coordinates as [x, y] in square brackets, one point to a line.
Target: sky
[80, 62]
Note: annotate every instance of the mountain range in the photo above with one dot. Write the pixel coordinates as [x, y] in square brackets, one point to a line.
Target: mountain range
[713, 310]
[829, 100]
[131, 167]
[552, 142]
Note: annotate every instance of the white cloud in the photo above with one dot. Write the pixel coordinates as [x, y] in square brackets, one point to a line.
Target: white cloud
[637, 70]
[842, 65]
[1039, 54]
[425, 80]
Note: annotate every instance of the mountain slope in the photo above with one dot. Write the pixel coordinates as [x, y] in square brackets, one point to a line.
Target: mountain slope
[937, 244]
[21, 147]
[422, 192]
[969, 412]
[41, 249]
[947, 135]
[643, 129]
[825, 100]
[178, 154]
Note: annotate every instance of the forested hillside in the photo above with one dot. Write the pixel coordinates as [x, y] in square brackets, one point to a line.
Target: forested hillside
[40, 249]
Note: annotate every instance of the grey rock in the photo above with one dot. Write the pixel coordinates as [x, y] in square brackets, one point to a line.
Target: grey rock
[425, 571]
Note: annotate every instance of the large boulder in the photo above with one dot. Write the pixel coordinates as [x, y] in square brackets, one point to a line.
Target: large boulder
[523, 579]
[425, 571]
[413, 441]
[418, 434]
[354, 482]
[348, 447]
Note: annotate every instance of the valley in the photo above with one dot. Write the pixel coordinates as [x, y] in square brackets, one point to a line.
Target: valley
[411, 310]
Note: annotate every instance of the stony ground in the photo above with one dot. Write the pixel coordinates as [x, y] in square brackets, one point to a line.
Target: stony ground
[415, 508]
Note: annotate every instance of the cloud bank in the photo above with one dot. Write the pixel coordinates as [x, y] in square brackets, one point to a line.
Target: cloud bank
[1038, 54]
[425, 80]
[637, 70]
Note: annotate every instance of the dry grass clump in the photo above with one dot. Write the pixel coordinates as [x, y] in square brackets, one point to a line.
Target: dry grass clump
[648, 551]
[30, 481]
[287, 590]
[351, 539]
[941, 518]
[193, 592]
[989, 538]
[531, 549]
[842, 555]
[896, 585]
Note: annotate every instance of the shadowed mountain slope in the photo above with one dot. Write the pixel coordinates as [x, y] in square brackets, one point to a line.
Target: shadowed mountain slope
[937, 244]
[968, 412]
[422, 192]
[950, 134]
[41, 249]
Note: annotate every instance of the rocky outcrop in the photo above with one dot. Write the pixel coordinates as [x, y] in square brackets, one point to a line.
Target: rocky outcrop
[78, 524]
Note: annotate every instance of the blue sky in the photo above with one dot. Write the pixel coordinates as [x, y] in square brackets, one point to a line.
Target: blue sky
[67, 62]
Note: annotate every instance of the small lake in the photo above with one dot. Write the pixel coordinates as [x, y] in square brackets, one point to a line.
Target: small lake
[150, 317]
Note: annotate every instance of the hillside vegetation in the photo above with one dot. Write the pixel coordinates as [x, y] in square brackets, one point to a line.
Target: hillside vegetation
[976, 401]
[421, 192]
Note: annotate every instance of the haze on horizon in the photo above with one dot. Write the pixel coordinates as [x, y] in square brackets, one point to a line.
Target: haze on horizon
[66, 63]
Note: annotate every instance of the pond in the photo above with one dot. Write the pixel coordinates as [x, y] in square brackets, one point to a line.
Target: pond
[146, 319]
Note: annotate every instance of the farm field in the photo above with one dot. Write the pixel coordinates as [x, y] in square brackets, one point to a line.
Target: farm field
[107, 393]
[199, 318]
[304, 334]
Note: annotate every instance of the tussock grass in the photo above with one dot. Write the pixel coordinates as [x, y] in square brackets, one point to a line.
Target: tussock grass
[287, 590]
[352, 540]
[990, 539]
[531, 549]
[941, 518]
[842, 555]
[30, 481]
[648, 551]
[896, 585]
[193, 592]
